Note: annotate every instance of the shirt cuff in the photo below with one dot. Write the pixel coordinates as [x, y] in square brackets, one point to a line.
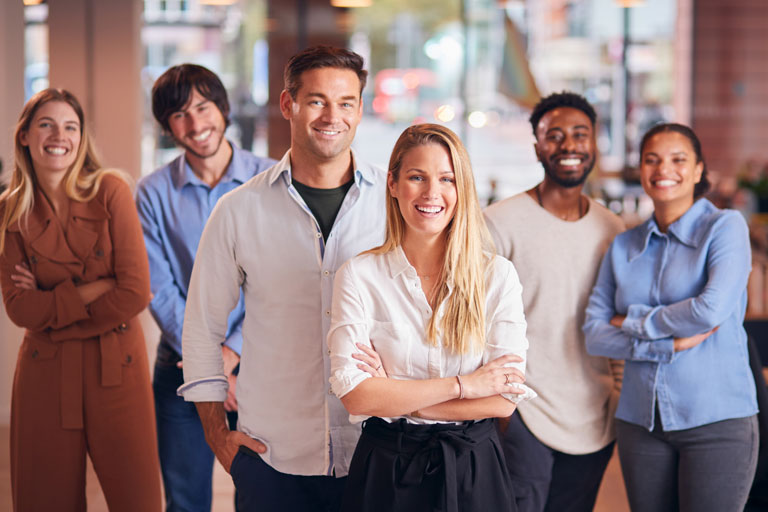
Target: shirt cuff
[515, 398]
[342, 383]
[660, 351]
[206, 389]
[634, 321]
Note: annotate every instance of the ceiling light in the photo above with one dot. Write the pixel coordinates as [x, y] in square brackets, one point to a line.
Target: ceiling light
[351, 3]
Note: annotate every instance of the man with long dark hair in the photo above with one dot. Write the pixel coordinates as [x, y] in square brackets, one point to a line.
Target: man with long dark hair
[174, 202]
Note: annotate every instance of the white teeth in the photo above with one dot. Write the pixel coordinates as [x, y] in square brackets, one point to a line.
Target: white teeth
[202, 136]
[570, 161]
[665, 183]
[55, 150]
[430, 209]
[328, 132]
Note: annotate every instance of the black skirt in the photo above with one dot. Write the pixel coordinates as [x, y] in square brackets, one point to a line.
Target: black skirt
[441, 467]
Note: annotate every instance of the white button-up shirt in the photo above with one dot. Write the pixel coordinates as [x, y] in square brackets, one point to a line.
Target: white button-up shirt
[378, 301]
[263, 237]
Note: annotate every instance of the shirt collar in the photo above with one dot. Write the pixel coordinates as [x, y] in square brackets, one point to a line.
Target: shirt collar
[237, 170]
[687, 229]
[398, 264]
[362, 171]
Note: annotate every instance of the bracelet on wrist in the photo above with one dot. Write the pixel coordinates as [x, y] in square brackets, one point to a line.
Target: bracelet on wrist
[461, 387]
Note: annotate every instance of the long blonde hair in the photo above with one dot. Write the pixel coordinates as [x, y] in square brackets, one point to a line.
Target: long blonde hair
[81, 182]
[468, 243]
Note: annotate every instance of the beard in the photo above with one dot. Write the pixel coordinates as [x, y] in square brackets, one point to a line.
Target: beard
[189, 149]
[573, 182]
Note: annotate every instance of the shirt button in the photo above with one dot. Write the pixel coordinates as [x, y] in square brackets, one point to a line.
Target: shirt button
[328, 313]
[99, 253]
[318, 235]
[326, 273]
[330, 391]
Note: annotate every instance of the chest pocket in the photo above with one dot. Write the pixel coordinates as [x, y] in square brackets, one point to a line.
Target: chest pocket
[394, 344]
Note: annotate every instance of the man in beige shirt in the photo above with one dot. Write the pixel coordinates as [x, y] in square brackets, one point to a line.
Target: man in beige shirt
[557, 446]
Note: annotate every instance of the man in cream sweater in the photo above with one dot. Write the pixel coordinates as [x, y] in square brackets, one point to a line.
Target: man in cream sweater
[558, 446]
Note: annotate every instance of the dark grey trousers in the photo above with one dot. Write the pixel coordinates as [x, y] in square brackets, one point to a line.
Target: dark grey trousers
[702, 469]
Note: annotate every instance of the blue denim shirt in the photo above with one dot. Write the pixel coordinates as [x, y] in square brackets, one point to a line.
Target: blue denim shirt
[669, 285]
[174, 205]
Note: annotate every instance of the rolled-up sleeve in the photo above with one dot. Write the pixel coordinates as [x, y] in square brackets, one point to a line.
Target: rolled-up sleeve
[214, 290]
[506, 334]
[348, 327]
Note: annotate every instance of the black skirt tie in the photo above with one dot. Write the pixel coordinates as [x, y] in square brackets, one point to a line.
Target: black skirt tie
[440, 467]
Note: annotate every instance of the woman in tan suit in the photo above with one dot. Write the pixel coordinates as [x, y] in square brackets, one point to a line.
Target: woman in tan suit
[74, 273]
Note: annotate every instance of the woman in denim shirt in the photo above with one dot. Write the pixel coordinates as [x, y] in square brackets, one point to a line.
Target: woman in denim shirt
[670, 300]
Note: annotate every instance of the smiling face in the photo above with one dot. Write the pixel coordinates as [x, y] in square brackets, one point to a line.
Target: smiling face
[53, 138]
[199, 126]
[425, 190]
[325, 112]
[565, 146]
[669, 170]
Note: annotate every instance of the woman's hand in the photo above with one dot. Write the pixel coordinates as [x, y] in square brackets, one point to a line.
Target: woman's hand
[25, 278]
[493, 378]
[691, 341]
[371, 362]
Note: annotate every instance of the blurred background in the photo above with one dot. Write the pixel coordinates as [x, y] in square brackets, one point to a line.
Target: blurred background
[476, 66]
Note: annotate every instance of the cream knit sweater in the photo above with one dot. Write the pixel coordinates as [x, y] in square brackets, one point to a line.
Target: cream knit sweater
[557, 262]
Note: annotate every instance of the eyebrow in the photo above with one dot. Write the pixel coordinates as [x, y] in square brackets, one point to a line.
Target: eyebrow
[68, 121]
[323, 96]
[189, 106]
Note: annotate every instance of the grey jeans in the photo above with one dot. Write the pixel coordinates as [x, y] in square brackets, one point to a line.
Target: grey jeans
[707, 468]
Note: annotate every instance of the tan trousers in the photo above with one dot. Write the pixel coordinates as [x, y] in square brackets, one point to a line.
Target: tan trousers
[118, 430]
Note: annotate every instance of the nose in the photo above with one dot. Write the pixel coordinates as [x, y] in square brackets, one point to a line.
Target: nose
[330, 113]
[569, 144]
[431, 188]
[193, 122]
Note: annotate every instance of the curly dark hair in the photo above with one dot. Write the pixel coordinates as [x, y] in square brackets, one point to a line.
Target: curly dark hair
[561, 99]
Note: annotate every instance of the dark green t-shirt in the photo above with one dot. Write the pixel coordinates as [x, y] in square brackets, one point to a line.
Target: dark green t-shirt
[324, 203]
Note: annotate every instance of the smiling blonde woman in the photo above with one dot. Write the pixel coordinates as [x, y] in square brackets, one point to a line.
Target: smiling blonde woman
[428, 341]
[74, 274]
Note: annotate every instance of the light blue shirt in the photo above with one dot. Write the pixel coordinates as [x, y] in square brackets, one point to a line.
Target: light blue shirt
[262, 238]
[174, 205]
[671, 285]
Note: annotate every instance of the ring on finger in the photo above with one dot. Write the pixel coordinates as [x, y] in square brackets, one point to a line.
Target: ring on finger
[506, 378]
[378, 368]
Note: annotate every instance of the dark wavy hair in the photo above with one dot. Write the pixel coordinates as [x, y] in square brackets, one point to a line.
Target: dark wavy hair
[561, 99]
[702, 187]
[174, 88]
